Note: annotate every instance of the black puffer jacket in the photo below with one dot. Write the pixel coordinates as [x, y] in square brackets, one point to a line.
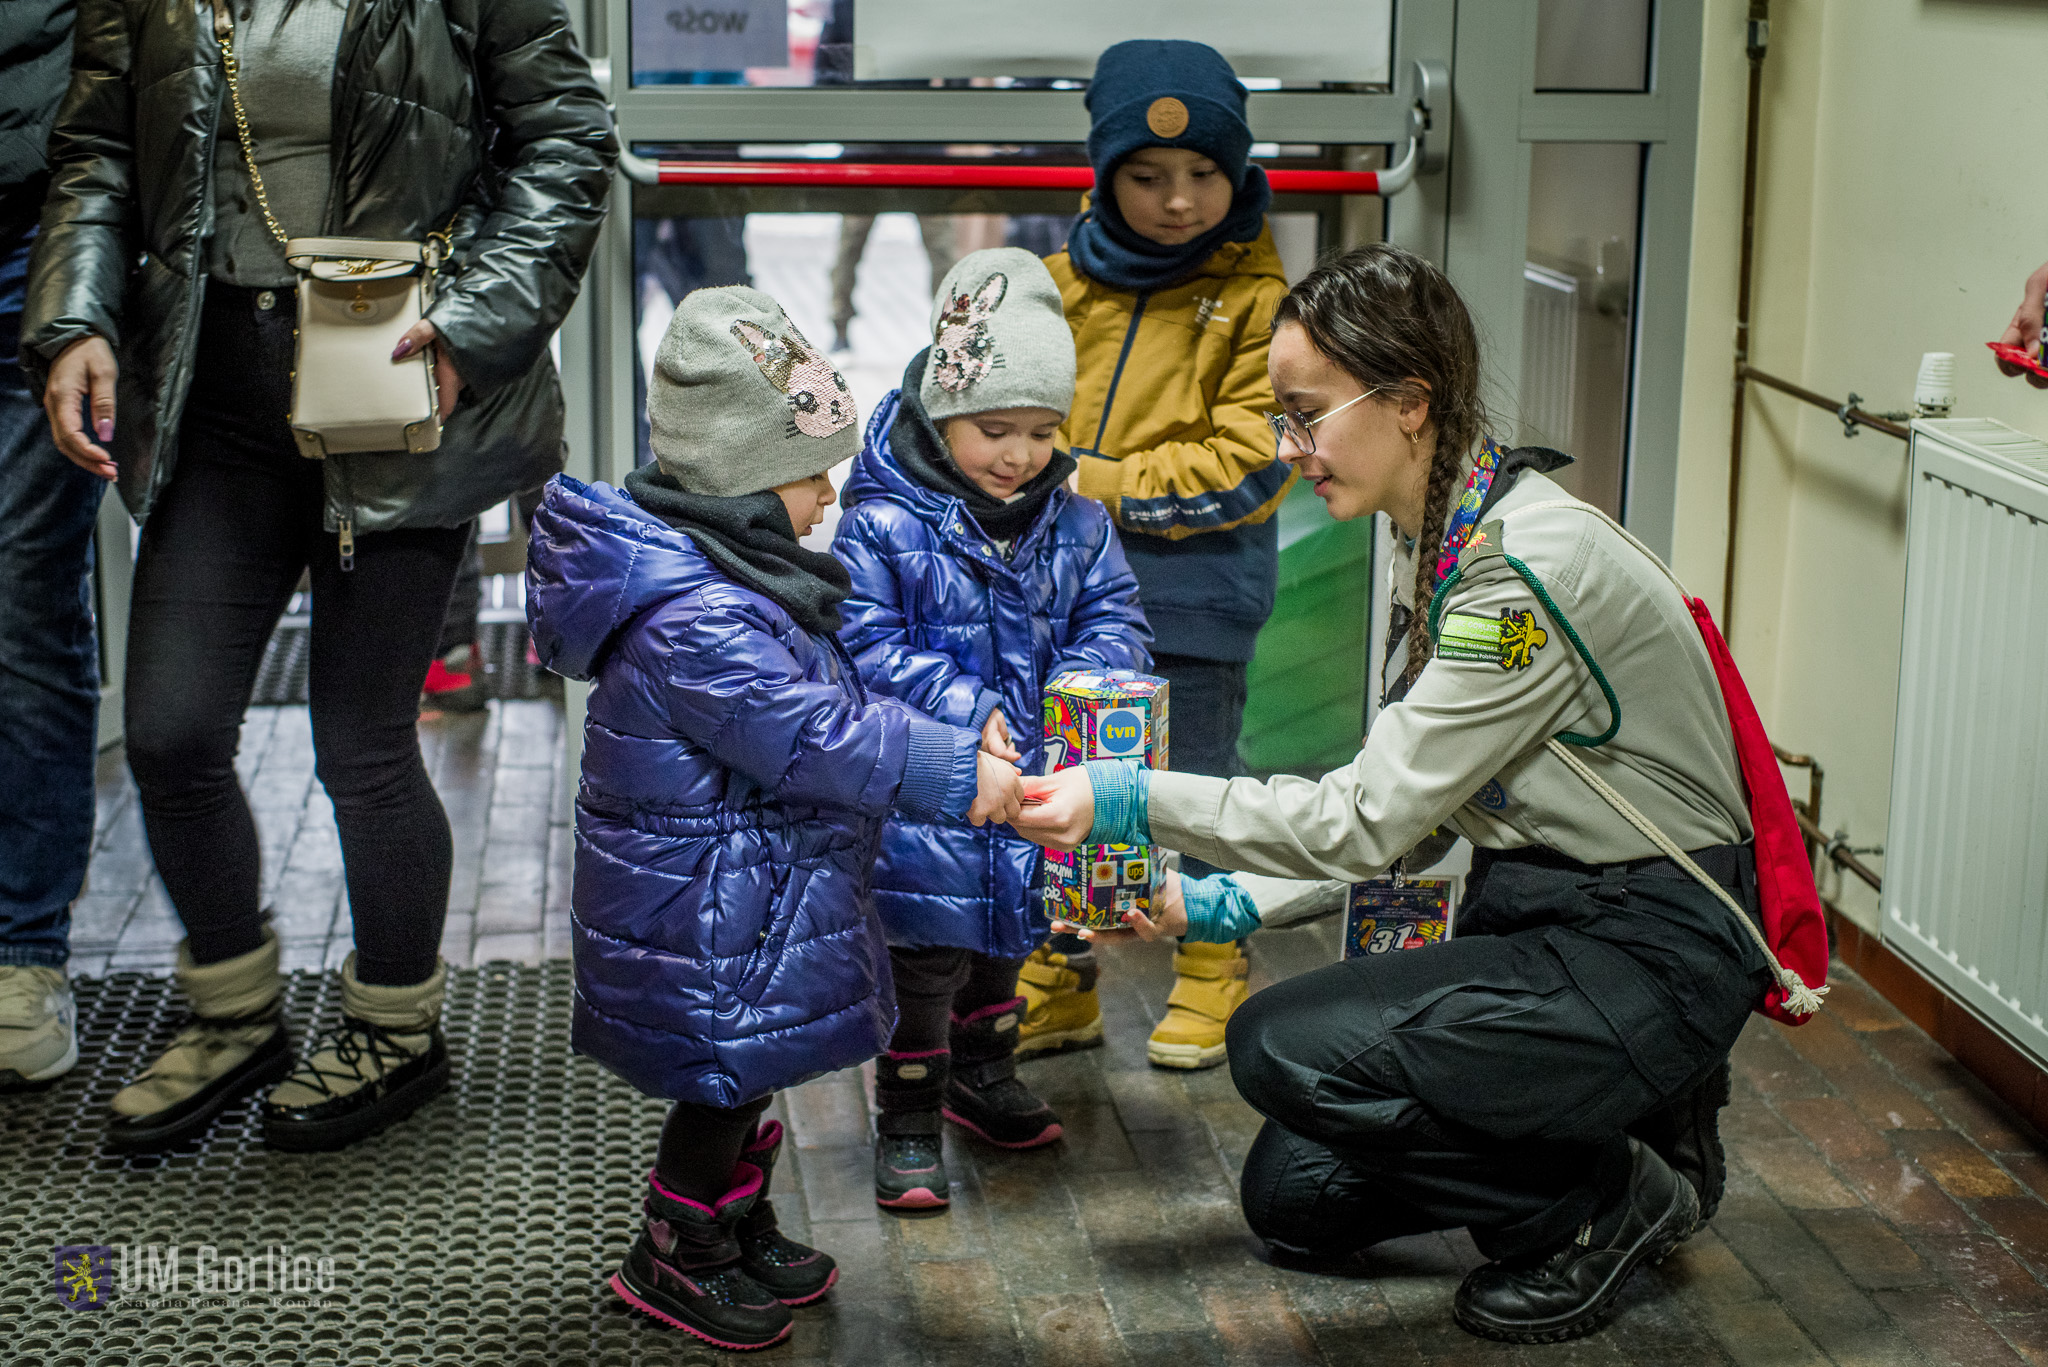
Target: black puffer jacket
[486, 107]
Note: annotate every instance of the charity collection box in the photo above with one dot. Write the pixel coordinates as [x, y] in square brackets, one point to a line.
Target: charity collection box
[1103, 714]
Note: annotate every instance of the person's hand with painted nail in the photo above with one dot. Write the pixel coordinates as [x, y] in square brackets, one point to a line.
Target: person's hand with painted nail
[447, 384]
[995, 738]
[2024, 331]
[83, 377]
[1059, 809]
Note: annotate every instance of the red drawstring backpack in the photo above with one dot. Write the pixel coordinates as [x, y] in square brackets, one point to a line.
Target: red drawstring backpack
[1793, 925]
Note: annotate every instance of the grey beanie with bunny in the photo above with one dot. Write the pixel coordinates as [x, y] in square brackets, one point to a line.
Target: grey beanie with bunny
[741, 402]
[999, 338]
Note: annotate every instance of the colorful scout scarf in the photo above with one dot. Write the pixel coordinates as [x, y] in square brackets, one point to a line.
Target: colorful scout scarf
[1466, 515]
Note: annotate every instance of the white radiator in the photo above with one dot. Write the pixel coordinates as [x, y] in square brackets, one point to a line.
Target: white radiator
[1550, 354]
[1966, 856]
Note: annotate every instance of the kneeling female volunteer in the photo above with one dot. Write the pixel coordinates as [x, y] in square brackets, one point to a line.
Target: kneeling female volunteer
[1593, 988]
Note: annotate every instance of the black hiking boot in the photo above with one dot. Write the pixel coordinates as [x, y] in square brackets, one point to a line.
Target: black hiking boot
[793, 1273]
[685, 1269]
[1566, 1293]
[910, 1170]
[983, 1095]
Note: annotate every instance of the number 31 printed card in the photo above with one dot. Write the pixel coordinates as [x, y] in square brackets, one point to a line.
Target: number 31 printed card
[1384, 918]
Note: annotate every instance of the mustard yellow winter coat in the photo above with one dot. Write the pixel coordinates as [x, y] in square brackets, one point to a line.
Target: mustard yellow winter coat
[1186, 449]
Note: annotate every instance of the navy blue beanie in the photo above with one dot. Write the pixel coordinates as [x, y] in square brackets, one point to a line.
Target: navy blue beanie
[1166, 92]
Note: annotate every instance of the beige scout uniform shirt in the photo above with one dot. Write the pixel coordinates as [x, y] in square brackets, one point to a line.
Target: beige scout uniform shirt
[1466, 746]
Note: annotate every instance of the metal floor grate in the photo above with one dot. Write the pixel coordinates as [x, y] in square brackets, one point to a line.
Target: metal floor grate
[478, 1232]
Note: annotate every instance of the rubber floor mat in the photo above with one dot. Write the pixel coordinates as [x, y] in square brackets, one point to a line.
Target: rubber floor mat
[478, 1232]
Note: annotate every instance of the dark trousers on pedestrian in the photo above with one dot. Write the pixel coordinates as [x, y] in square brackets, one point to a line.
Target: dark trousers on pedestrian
[49, 658]
[1487, 1082]
[221, 554]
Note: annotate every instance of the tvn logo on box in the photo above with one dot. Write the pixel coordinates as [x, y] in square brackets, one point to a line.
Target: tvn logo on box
[1120, 733]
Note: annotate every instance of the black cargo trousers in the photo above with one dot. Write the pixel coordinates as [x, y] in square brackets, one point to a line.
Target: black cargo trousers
[1487, 1082]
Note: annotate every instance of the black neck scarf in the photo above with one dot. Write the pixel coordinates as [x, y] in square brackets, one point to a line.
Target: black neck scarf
[751, 539]
[921, 453]
[1110, 251]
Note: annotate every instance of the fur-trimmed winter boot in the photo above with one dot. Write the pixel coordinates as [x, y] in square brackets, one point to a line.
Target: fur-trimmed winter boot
[385, 1058]
[233, 1043]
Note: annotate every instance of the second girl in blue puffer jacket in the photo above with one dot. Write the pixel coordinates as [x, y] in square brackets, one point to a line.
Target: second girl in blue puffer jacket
[976, 578]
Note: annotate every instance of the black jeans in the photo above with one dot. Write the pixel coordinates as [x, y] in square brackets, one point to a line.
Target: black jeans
[220, 556]
[1486, 1082]
[938, 982]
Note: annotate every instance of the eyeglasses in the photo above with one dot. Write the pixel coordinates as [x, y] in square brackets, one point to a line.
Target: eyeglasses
[1295, 428]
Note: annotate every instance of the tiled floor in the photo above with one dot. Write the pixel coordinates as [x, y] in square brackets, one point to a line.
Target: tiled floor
[499, 774]
[1883, 1207]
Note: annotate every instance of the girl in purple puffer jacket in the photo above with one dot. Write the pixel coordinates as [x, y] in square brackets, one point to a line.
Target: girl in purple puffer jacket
[976, 578]
[736, 775]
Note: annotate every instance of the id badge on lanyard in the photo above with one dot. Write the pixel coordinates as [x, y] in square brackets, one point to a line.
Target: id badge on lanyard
[1394, 913]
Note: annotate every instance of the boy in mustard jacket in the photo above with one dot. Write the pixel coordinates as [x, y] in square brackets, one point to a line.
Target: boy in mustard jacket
[1169, 282]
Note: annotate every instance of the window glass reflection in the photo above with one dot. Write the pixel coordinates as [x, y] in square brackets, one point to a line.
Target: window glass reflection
[1592, 44]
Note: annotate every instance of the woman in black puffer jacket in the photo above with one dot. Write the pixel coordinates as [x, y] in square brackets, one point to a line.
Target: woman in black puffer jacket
[161, 312]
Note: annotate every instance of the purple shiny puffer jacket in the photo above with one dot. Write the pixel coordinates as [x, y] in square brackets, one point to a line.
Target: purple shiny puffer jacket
[735, 780]
[941, 620]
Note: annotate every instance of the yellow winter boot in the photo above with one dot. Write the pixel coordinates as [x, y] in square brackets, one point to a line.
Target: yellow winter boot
[1209, 984]
[1061, 1011]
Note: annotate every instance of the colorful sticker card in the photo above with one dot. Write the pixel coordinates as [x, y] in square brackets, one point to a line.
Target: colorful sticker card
[1102, 714]
[1384, 918]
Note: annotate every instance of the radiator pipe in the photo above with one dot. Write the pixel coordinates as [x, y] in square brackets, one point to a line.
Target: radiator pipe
[1837, 851]
[1758, 42]
[1818, 841]
[1852, 417]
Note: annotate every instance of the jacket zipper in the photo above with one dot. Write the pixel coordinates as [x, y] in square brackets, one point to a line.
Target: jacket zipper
[1116, 378]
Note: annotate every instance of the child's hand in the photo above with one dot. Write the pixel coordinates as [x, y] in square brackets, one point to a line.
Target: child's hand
[1000, 793]
[1060, 809]
[995, 738]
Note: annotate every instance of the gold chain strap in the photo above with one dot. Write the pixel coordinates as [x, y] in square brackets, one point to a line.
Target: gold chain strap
[233, 67]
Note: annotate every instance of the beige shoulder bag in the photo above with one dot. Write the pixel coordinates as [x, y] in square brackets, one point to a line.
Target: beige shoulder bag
[357, 297]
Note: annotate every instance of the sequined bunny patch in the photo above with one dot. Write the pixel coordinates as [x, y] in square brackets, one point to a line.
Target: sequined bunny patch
[963, 351]
[819, 402]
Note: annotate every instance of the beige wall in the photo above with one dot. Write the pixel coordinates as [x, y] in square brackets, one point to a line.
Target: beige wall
[1899, 211]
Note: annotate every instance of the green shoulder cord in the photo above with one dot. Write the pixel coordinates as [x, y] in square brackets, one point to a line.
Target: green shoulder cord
[1436, 612]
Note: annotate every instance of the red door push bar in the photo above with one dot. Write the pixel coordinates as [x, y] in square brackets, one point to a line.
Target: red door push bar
[976, 175]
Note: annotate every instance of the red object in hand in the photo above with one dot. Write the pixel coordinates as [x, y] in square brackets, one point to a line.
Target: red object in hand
[2015, 356]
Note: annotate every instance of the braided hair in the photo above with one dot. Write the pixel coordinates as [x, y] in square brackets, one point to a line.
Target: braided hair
[1389, 318]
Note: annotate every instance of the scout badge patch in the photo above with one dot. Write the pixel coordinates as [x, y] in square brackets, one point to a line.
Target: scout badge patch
[1510, 641]
[1397, 913]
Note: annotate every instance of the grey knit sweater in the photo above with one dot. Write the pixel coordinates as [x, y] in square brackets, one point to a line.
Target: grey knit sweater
[287, 66]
